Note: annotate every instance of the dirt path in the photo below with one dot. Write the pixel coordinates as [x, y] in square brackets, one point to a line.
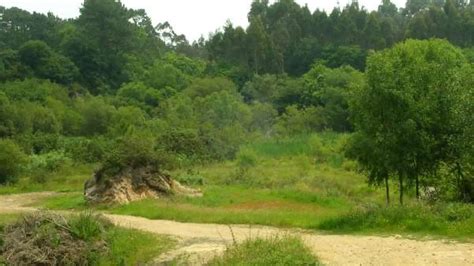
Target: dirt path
[202, 241]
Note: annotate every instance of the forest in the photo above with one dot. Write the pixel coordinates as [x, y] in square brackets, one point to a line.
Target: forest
[335, 112]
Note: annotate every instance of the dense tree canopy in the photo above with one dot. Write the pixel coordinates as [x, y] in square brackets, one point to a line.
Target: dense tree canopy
[82, 86]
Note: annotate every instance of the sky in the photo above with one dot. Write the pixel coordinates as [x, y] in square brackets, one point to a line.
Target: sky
[194, 18]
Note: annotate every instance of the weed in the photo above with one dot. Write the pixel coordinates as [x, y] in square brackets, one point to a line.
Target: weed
[87, 226]
[272, 251]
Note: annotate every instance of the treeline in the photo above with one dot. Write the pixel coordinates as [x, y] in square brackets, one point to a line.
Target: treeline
[109, 44]
[287, 38]
[110, 86]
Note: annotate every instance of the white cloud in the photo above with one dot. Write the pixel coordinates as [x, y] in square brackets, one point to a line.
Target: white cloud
[190, 17]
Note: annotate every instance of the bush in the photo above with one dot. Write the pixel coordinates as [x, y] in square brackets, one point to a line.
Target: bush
[44, 164]
[135, 151]
[272, 251]
[88, 226]
[318, 150]
[297, 121]
[86, 150]
[246, 158]
[191, 179]
[12, 159]
[38, 143]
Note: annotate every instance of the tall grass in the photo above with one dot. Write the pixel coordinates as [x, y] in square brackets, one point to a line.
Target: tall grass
[262, 252]
[68, 179]
[88, 226]
[452, 220]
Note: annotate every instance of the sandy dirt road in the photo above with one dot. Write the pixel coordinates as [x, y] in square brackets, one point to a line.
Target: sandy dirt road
[199, 242]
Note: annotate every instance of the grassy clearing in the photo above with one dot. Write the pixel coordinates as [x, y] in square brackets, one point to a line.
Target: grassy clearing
[272, 251]
[300, 182]
[227, 205]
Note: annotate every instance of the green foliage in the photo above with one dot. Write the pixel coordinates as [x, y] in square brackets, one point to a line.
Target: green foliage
[133, 247]
[191, 179]
[202, 88]
[40, 166]
[246, 158]
[33, 90]
[134, 151]
[284, 250]
[453, 220]
[86, 150]
[97, 115]
[47, 64]
[300, 121]
[331, 89]
[263, 118]
[166, 77]
[405, 115]
[189, 66]
[88, 226]
[138, 94]
[12, 160]
[262, 88]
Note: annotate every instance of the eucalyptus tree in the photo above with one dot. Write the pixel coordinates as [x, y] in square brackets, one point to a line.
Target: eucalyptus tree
[407, 111]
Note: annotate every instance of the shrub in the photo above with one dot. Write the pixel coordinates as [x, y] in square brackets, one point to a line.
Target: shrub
[191, 179]
[272, 251]
[86, 150]
[42, 165]
[12, 159]
[318, 149]
[246, 158]
[135, 151]
[297, 121]
[88, 226]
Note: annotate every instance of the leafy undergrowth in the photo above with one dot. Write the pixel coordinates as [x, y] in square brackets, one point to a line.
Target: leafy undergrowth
[451, 220]
[67, 179]
[272, 251]
[85, 239]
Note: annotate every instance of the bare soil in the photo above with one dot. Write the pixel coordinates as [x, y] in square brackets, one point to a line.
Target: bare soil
[200, 242]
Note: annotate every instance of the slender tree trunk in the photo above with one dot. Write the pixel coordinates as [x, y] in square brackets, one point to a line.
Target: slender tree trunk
[400, 178]
[256, 61]
[387, 191]
[417, 187]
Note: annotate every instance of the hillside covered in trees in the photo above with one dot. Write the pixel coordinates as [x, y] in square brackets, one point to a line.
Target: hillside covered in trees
[111, 82]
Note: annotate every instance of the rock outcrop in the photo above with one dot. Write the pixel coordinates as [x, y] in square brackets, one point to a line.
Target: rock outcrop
[132, 185]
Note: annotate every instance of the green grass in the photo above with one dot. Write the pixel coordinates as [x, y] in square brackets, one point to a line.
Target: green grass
[451, 220]
[68, 179]
[298, 182]
[293, 146]
[133, 247]
[272, 251]
[225, 205]
[8, 218]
